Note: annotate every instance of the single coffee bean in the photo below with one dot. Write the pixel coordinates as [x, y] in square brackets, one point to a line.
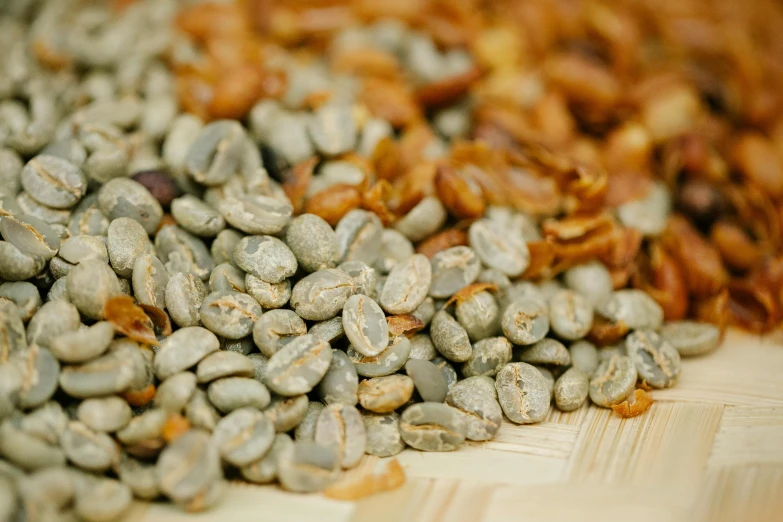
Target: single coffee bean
[58, 290]
[197, 217]
[525, 321]
[422, 347]
[183, 253]
[88, 219]
[648, 214]
[450, 338]
[29, 453]
[428, 380]
[104, 414]
[584, 355]
[341, 382]
[431, 426]
[260, 362]
[365, 277]
[504, 250]
[493, 276]
[11, 380]
[549, 377]
[40, 372]
[174, 393]
[423, 220]
[385, 394]
[591, 280]
[613, 381]
[634, 308]
[140, 477]
[488, 357]
[46, 422]
[265, 257]
[106, 375]
[385, 363]
[90, 450]
[223, 246]
[298, 366]
[144, 427]
[309, 467]
[407, 285]
[224, 364]
[480, 409]
[691, 338]
[425, 311]
[479, 314]
[55, 318]
[657, 361]
[30, 235]
[104, 500]
[229, 314]
[16, 265]
[216, 152]
[150, 279]
[256, 213]
[200, 412]
[227, 277]
[268, 295]
[570, 315]
[522, 393]
[265, 469]
[243, 436]
[183, 296]
[53, 181]
[188, 466]
[123, 197]
[452, 270]
[59, 268]
[365, 325]
[183, 349]
[78, 248]
[321, 295]
[90, 285]
[231, 393]
[395, 248]
[276, 328]
[313, 242]
[332, 129]
[24, 295]
[383, 434]
[43, 490]
[546, 351]
[286, 413]
[329, 330]
[571, 389]
[446, 368]
[340, 426]
[359, 236]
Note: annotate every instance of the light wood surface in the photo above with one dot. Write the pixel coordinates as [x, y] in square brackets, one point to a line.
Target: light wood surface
[710, 449]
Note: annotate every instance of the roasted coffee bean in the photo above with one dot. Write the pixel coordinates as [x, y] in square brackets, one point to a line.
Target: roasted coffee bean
[309, 467]
[450, 338]
[365, 325]
[407, 285]
[480, 409]
[613, 381]
[546, 351]
[691, 338]
[504, 250]
[276, 328]
[452, 270]
[298, 366]
[432, 426]
[313, 242]
[265, 257]
[340, 426]
[268, 295]
[286, 413]
[105, 414]
[184, 295]
[385, 394]
[341, 382]
[231, 393]
[183, 349]
[657, 361]
[570, 315]
[359, 236]
[522, 393]
[321, 295]
[385, 363]
[488, 357]
[571, 389]
[264, 470]
[229, 314]
[224, 364]
[525, 321]
[243, 436]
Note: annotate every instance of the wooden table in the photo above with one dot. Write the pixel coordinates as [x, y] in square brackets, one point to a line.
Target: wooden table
[710, 449]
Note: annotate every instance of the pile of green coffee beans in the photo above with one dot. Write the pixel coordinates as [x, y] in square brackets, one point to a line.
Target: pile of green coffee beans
[287, 360]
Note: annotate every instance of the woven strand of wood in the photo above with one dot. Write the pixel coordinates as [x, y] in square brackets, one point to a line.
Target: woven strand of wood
[710, 449]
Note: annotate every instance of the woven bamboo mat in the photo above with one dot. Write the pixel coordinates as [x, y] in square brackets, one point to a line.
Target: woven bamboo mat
[710, 449]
